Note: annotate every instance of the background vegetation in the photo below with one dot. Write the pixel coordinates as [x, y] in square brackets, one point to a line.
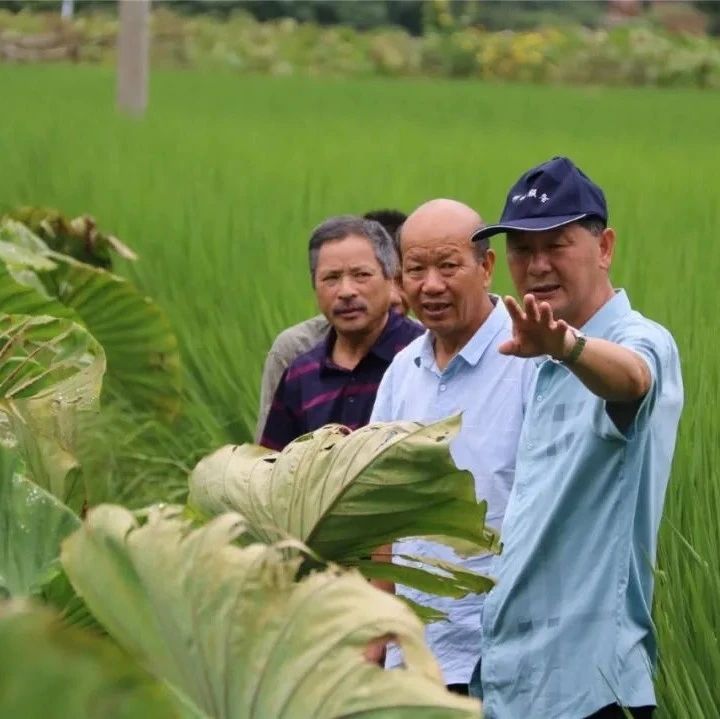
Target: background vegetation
[541, 42]
[218, 187]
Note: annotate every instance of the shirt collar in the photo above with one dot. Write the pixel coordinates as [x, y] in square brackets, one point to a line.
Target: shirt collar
[385, 347]
[616, 307]
[476, 345]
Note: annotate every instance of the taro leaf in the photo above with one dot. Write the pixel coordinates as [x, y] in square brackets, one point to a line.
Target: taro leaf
[142, 352]
[22, 246]
[22, 292]
[50, 369]
[454, 580]
[78, 237]
[231, 629]
[32, 525]
[51, 671]
[346, 494]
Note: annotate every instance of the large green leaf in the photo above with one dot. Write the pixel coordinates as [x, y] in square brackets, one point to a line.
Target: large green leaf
[33, 523]
[346, 494]
[78, 237]
[232, 630]
[50, 369]
[21, 292]
[142, 351]
[50, 671]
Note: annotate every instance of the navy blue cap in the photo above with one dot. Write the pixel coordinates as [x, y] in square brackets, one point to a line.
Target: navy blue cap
[550, 195]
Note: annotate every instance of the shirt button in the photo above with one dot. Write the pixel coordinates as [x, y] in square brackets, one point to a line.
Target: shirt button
[443, 387]
[351, 399]
[539, 398]
[530, 445]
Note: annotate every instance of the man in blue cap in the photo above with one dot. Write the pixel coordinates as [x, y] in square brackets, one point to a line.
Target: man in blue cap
[567, 631]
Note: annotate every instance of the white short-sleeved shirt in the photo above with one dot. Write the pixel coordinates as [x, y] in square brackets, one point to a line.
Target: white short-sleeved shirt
[489, 389]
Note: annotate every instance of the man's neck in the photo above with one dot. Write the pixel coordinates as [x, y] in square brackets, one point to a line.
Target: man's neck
[349, 349]
[447, 346]
[601, 298]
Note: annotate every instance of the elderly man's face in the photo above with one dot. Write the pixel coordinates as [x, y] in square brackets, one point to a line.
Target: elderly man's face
[350, 287]
[567, 268]
[445, 283]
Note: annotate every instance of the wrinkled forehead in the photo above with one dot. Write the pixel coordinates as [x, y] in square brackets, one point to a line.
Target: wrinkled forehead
[352, 250]
[438, 242]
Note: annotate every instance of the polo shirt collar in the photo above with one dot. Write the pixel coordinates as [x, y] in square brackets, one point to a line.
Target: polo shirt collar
[616, 307]
[384, 347]
[480, 341]
[472, 352]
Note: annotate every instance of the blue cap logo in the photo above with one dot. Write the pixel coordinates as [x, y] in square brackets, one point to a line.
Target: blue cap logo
[549, 196]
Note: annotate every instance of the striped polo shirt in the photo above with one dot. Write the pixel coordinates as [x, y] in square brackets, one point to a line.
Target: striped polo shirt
[314, 391]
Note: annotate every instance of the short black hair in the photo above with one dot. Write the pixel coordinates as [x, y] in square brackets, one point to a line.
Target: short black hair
[391, 220]
[594, 224]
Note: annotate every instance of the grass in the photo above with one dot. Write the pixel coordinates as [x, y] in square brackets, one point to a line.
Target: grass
[219, 186]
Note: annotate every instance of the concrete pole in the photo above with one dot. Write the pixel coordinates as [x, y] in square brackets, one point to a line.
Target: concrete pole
[133, 56]
[67, 9]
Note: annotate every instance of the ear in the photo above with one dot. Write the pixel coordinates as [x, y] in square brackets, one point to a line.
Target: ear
[488, 265]
[607, 247]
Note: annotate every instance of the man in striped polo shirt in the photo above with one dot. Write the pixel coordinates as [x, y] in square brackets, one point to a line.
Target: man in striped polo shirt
[299, 338]
[353, 263]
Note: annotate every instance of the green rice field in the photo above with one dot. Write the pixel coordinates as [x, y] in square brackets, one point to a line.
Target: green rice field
[218, 188]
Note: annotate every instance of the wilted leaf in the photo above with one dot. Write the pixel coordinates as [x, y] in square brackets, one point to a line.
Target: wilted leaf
[346, 494]
[231, 629]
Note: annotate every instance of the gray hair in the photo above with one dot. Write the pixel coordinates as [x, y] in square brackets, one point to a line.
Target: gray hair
[593, 224]
[338, 228]
[480, 248]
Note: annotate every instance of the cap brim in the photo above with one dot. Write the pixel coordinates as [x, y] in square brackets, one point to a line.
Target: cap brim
[529, 224]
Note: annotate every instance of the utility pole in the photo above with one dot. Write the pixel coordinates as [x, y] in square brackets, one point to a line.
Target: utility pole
[133, 56]
[67, 9]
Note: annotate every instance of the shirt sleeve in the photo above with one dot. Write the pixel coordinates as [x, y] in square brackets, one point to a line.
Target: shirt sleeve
[290, 343]
[283, 423]
[654, 344]
[275, 365]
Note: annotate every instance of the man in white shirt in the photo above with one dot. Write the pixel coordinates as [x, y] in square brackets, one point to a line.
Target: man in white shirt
[455, 367]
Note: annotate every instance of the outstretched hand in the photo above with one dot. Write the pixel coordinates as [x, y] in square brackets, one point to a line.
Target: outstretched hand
[535, 331]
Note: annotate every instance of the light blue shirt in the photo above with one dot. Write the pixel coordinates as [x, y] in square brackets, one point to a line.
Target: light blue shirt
[489, 389]
[567, 628]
